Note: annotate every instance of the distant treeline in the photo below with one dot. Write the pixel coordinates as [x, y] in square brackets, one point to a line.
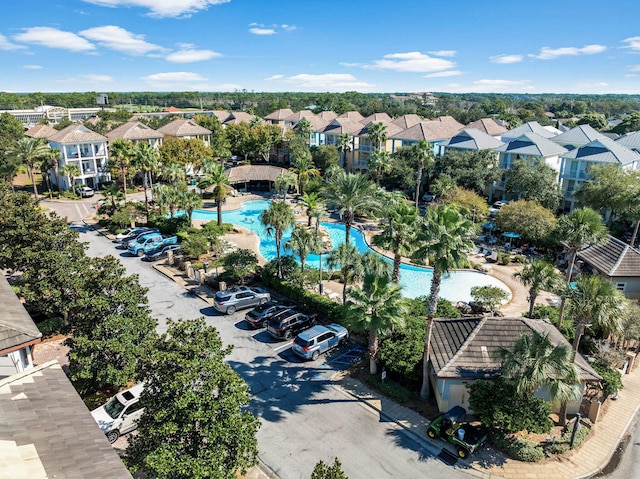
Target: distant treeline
[464, 107]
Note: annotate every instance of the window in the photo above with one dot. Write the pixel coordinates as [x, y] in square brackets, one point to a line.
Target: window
[621, 286]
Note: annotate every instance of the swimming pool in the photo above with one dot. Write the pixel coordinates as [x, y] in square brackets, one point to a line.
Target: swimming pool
[415, 280]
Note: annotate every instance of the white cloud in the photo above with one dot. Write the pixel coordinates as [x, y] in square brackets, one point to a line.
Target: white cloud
[448, 73]
[634, 68]
[633, 43]
[175, 80]
[227, 87]
[94, 78]
[119, 39]
[547, 53]
[411, 62]
[505, 59]
[262, 31]
[54, 38]
[5, 44]
[32, 67]
[493, 86]
[443, 53]
[188, 54]
[337, 82]
[162, 8]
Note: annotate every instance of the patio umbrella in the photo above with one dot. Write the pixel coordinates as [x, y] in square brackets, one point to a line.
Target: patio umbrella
[511, 236]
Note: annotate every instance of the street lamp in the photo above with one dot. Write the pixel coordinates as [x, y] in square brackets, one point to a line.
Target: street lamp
[320, 285]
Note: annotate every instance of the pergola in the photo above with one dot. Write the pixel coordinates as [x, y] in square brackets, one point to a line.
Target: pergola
[247, 173]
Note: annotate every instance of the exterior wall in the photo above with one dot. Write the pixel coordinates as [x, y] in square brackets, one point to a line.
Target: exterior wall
[21, 359]
[629, 285]
[91, 158]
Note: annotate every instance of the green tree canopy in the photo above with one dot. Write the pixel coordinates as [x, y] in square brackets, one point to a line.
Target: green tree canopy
[529, 219]
[473, 170]
[534, 182]
[195, 423]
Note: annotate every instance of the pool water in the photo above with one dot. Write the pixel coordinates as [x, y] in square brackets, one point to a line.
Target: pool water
[415, 280]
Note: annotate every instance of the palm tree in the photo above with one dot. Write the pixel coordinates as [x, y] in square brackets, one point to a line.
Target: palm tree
[147, 159]
[173, 172]
[217, 178]
[375, 308]
[278, 218]
[379, 162]
[343, 146]
[423, 154]
[594, 301]
[537, 276]
[533, 362]
[443, 239]
[168, 197]
[378, 135]
[29, 151]
[444, 187]
[399, 232]
[121, 153]
[578, 229]
[189, 201]
[303, 242]
[347, 258]
[352, 194]
[72, 171]
[314, 206]
[305, 169]
[53, 157]
[304, 128]
[283, 182]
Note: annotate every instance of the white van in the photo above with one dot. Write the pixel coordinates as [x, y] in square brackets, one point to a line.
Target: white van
[120, 414]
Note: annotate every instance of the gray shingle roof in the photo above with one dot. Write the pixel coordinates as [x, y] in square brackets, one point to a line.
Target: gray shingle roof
[47, 431]
[339, 126]
[614, 258]
[391, 129]
[352, 115]
[431, 130]
[377, 118]
[183, 127]
[134, 130]
[472, 139]
[280, 114]
[76, 133]
[41, 131]
[465, 348]
[604, 150]
[16, 326]
[530, 127]
[407, 121]
[296, 117]
[239, 117]
[488, 125]
[580, 135]
[532, 144]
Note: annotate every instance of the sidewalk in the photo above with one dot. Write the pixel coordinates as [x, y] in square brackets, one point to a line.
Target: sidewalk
[584, 462]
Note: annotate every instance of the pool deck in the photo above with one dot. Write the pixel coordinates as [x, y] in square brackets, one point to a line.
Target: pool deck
[245, 239]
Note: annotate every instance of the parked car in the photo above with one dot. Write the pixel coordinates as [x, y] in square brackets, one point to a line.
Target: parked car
[86, 192]
[429, 197]
[497, 206]
[129, 232]
[161, 252]
[311, 343]
[451, 428]
[286, 324]
[230, 300]
[120, 414]
[259, 315]
[149, 242]
[134, 236]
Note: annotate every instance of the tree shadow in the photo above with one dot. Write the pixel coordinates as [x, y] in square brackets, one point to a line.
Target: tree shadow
[278, 389]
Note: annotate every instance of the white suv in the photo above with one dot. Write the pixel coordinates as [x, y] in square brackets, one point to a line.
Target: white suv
[120, 414]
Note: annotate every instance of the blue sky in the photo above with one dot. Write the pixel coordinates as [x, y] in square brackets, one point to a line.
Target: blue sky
[329, 46]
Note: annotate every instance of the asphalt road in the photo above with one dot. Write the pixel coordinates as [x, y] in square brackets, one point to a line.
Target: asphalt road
[626, 463]
[304, 417]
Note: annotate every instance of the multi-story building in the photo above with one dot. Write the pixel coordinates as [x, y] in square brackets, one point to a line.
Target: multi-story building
[52, 114]
[84, 148]
[136, 132]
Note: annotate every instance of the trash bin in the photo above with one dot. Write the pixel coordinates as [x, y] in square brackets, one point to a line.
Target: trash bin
[222, 285]
[193, 182]
[205, 266]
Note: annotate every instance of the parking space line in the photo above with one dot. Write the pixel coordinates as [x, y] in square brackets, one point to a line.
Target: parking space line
[284, 347]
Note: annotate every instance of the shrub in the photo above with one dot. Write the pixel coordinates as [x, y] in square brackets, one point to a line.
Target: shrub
[313, 301]
[195, 246]
[390, 388]
[238, 265]
[545, 312]
[168, 226]
[518, 448]
[50, 326]
[504, 258]
[611, 378]
[520, 259]
[496, 404]
[563, 443]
